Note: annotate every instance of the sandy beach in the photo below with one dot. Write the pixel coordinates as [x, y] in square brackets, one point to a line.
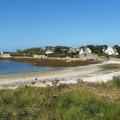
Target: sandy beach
[70, 75]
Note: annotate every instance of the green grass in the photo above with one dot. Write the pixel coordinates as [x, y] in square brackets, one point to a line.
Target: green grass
[79, 102]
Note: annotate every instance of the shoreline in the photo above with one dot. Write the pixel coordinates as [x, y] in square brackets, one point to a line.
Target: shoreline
[72, 75]
[55, 62]
[32, 74]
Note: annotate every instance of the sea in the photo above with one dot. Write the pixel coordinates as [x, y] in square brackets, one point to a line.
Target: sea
[10, 67]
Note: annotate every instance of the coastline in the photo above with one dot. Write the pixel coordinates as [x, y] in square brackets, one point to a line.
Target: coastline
[71, 75]
[55, 62]
[31, 74]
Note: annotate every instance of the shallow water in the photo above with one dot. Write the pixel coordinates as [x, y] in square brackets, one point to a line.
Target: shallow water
[9, 67]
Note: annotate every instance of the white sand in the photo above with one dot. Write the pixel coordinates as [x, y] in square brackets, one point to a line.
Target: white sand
[90, 73]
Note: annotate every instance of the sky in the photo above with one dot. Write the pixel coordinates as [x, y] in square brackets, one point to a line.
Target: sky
[35, 23]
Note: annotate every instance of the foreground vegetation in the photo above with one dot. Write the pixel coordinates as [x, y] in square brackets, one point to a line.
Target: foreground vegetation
[76, 102]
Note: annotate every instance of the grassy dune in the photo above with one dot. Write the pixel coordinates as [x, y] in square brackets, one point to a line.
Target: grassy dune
[76, 102]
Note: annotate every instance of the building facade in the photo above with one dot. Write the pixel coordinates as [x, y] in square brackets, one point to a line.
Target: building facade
[4, 54]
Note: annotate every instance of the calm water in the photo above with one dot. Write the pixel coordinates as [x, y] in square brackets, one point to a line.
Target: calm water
[8, 67]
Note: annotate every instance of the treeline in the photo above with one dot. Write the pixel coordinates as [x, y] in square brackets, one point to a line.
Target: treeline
[64, 51]
[57, 51]
[29, 52]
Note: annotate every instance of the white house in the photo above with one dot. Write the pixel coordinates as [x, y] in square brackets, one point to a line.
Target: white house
[5, 55]
[73, 50]
[88, 51]
[81, 51]
[49, 52]
[85, 51]
[110, 51]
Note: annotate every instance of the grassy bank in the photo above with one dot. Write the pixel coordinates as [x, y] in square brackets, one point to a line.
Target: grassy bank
[79, 102]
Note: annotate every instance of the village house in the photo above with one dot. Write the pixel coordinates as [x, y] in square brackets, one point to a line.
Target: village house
[73, 50]
[49, 50]
[81, 51]
[5, 54]
[85, 51]
[110, 51]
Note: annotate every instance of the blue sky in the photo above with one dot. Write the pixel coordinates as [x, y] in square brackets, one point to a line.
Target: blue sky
[34, 23]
